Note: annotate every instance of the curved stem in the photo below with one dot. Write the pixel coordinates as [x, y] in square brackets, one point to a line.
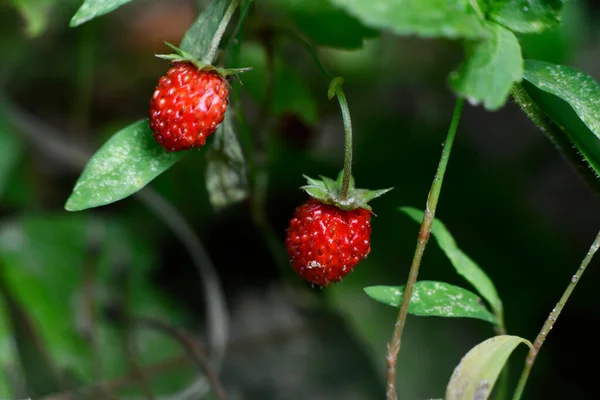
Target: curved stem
[214, 45]
[430, 208]
[347, 143]
[551, 320]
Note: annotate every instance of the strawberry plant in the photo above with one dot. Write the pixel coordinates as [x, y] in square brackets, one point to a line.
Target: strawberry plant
[235, 81]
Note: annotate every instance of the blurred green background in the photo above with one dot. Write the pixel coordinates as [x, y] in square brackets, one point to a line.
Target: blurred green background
[511, 201]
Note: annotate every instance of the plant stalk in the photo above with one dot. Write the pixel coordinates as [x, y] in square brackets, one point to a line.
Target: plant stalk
[551, 320]
[424, 232]
[214, 45]
[347, 142]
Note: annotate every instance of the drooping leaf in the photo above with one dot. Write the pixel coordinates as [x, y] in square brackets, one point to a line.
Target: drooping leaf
[324, 24]
[491, 68]
[475, 376]
[10, 150]
[571, 99]
[526, 16]
[36, 14]
[198, 38]
[91, 9]
[226, 179]
[427, 18]
[434, 299]
[463, 264]
[126, 163]
[290, 94]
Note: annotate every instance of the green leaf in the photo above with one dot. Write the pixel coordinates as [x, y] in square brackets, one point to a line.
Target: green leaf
[91, 9]
[571, 99]
[462, 263]
[126, 163]
[324, 24]
[491, 68]
[475, 376]
[427, 18]
[290, 93]
[198, 38]
[36, 14]
[10, 150]
[434, 299]
[226, 180]
[526, 16]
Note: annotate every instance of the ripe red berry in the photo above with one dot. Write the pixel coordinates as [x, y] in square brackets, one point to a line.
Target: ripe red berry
[187, 106]
[325, 242]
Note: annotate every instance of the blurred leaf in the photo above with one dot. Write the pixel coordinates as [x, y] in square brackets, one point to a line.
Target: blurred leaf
[91, 9]
[490, 69]
[126, 163]
[462, 263]
[38, 368]
[526, 16]
[36, 14]
[198, 38]
[427, 18]
[475, 376]
[226, 180]
[434, 299]
[10, 150]
[324, 24]
[571, 99]
[45, 258]
[290, 93]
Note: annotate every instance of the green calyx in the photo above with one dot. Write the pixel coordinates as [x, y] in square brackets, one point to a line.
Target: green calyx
[184, 56]
[328, 191]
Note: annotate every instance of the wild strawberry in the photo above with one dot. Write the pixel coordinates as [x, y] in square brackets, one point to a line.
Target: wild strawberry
[189, 102]
[187, 106]
[328, 236]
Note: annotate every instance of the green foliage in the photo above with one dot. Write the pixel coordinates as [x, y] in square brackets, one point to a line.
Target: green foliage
[491, 68]
[10, 151]
[324, 24]
[571, 99]
[226, 180]
[463, 264]
[198, 38]
[427, 18]
[475, 376]
[126, 163]
[434, 299]
[526, 16]
[36, 14]
[289, 93]
[91, 9]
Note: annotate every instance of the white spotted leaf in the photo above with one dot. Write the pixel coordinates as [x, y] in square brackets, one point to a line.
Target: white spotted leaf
[571, 99]
[526, 16]
[462, 263]
[434, 299]
[126, 163]
[476, 374]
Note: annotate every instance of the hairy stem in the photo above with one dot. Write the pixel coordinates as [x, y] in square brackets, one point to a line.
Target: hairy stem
[214, 45]
[347, 143]
[551, 320]
[424, 231]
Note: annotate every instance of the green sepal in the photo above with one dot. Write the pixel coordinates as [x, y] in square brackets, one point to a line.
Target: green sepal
[184, 56]
[328, 191]
[334, 86]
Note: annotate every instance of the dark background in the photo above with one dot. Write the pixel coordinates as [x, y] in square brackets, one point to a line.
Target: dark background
[511, 201]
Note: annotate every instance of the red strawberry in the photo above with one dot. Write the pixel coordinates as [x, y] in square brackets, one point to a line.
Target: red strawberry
[328, 235]
[325, 243]
[187, 106]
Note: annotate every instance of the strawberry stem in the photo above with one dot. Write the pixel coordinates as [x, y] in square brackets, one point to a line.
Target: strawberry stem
[214, 45]
[336, 84]
[424, 232]
[551, 320]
